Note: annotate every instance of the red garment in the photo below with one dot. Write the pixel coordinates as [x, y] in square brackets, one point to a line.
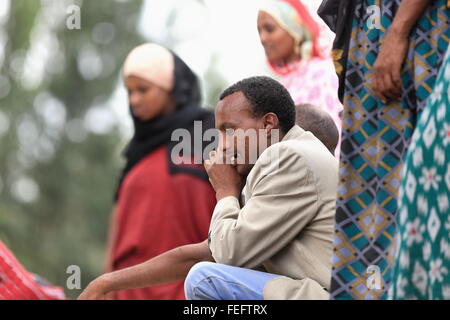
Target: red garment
[18, 284]
[159, 208]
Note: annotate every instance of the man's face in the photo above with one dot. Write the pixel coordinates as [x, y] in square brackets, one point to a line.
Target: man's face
[239, 130]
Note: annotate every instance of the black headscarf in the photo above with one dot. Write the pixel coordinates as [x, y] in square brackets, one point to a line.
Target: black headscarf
[152, 134]
[338, 15]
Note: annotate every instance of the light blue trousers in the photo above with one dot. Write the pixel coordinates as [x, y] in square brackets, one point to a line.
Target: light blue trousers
[213, 281]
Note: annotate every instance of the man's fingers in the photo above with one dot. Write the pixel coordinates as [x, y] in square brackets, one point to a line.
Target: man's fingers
[207, 165]
[217, 157]
[220, 157]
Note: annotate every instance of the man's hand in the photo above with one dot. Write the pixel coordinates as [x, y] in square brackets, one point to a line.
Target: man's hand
[96, 290]
[223, 176]
[171, 266]
[387, 83]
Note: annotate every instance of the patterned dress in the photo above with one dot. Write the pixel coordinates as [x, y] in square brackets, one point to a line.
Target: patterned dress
[375, 140]
[422, 268]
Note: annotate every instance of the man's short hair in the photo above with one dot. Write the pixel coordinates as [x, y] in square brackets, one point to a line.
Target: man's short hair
[319, 123]
[266, 95]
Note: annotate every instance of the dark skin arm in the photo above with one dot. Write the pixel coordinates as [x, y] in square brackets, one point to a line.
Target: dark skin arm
[168, 267]
[175, 264]
[387, 69]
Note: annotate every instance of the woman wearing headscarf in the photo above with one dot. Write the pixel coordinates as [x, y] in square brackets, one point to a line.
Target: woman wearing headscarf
[387, 55]
[160, 203]
[298, 49]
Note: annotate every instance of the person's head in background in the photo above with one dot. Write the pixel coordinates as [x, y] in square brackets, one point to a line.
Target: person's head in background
[319, 123]
[149, 78]
[257, 104]
[287, 31]
[158, 82]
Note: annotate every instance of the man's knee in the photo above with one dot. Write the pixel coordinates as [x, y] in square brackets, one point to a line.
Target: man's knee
[198, 273]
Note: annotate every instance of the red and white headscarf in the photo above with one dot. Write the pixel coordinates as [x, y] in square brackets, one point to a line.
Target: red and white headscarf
[311, 79]
[304, 25]
[295, 19]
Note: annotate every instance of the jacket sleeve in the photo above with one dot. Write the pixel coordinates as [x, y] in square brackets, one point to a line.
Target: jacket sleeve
[283, 202]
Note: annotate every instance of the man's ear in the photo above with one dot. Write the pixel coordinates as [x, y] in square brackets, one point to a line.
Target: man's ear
[270, 122]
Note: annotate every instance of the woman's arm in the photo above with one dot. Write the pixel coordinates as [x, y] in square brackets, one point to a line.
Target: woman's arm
[407, 16]
[168, 267]
[387, 69]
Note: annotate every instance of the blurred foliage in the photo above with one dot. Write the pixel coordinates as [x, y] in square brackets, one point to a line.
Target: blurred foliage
[67, 223]
[57, 177]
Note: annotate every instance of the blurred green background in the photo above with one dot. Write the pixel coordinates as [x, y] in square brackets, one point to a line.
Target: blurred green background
[59, 139]
[63, 117]
[57, 176]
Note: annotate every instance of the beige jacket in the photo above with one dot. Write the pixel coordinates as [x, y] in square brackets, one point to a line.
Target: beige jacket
[287, 222]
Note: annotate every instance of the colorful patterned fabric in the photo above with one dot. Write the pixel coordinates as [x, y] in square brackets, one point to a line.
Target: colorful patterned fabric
[18, 284]
[422, 267]
[338, 15]
[375, 139]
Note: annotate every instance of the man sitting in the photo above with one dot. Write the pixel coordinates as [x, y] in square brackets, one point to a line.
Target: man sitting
[283, 223]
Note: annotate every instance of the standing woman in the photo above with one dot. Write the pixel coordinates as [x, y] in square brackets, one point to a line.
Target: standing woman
[388, 53]
[299, 50]
[159, 205]
[422, 269]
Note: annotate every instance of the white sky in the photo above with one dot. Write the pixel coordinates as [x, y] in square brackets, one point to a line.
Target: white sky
[225, 28]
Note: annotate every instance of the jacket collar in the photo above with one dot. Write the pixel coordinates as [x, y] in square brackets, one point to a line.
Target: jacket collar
[294, 133]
